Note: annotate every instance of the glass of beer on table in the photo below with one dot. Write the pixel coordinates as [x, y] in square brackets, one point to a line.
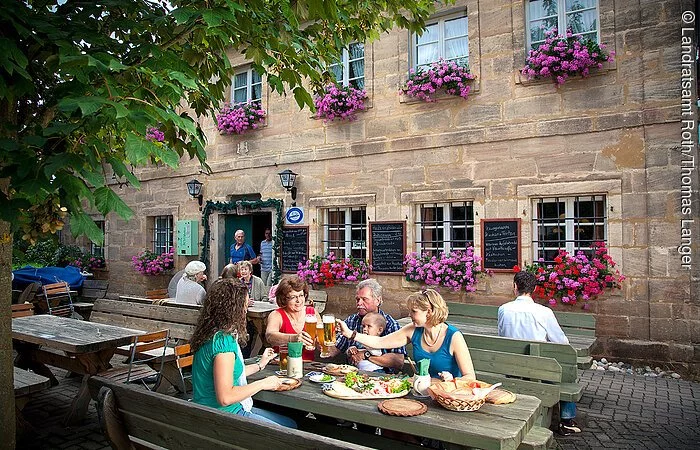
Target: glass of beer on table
[283, 357]
[310, 327]
[319, 336]
[329, 330]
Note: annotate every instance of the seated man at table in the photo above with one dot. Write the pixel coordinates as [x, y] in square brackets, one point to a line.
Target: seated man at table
[189, 290]
[524, 319]
[368, 298]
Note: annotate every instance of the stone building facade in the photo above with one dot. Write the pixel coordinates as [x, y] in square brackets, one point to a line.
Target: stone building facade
[613, 138]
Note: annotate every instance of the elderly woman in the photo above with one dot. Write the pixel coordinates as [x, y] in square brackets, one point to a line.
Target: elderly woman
[219, 374]
[189, 290]
[432, 338]
[286, 324]
[257, 291]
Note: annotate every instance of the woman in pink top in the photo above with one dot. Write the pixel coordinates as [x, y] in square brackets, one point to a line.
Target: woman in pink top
[286, 324]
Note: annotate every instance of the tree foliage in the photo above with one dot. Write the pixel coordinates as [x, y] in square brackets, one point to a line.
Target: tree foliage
[82, 81]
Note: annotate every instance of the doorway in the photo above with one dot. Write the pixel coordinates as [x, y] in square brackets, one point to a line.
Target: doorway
[253, 225]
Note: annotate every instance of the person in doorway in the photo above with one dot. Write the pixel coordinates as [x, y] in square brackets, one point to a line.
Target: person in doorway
[240, 251]
[265, 258]
[189, 290]
[522, 318]
[368, 299]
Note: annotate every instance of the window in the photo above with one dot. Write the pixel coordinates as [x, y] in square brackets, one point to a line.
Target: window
[581, 16]
[568, 223]
[98, 250]
[446, 38]
[247, 86]
[444, 227]
[351, 68]
[345, 232]
[162, 234]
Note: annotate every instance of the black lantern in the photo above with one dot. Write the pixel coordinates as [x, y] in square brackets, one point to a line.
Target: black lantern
[194, 188]
[288, 180]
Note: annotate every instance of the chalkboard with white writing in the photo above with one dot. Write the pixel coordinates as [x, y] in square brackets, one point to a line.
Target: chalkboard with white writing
[500, 244]
[387, 244]
[295, 247]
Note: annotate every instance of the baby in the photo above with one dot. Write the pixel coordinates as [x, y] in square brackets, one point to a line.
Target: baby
[373, 324]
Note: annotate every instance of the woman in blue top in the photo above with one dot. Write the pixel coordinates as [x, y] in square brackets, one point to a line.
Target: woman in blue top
[430, 336]
[218, 371]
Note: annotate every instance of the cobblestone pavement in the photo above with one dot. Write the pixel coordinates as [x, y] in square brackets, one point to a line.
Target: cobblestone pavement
[617, 411]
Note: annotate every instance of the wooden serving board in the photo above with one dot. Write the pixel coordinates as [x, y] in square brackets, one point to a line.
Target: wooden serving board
[343, 392]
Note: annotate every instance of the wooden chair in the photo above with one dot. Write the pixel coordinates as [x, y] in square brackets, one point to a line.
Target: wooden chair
[58, 299]
[156, 294]
[146, 350]
[22, 310]
[29, 293]
[183, 360]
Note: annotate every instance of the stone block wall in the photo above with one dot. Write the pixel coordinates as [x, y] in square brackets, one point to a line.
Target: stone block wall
[616, 133]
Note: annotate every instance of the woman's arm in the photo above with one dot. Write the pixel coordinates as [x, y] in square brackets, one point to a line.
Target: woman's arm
[265, 358]
[226, 392]
[275, 337]
[460, 352]
[396, 339]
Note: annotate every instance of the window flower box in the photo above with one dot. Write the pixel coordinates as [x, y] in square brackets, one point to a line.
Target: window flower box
[457, 270]
[329, 270]
[560, 57]
[239, 118]
[449, 77]
[339, 102]
[150, 264]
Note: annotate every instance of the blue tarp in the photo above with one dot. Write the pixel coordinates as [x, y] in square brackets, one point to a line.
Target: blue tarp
[47, 275]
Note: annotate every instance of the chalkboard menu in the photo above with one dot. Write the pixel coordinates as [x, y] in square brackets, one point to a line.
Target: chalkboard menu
[387, 244]
[295, 247]
[500, 244]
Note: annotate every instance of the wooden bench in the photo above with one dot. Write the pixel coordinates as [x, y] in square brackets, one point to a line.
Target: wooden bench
[26, 384]
[22, 310]
[483, 319]
[180, 319]
[132, 416]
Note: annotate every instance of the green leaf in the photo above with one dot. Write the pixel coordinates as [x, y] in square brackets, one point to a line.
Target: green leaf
[303, 97]
[138, 149]
[183, 79]
[122, 111]
[82, 224]
[106, 201]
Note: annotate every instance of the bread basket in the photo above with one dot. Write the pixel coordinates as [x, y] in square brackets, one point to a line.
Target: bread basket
[460, 395]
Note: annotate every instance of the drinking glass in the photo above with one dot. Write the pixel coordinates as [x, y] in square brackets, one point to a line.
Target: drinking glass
[329, 330]
[325, 353]
[310, 327]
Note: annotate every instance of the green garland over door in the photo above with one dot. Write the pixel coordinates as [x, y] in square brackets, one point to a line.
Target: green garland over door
[225, 207]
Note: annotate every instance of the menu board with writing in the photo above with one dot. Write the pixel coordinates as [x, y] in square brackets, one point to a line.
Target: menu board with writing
[500, 244]
[387, 244]
[295, 247]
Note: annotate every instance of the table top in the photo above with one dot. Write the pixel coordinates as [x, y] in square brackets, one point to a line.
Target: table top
[491, 427]
[261, 309]
[70, 335]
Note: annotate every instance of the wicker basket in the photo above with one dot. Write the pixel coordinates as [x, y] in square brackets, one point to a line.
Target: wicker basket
[457, 395]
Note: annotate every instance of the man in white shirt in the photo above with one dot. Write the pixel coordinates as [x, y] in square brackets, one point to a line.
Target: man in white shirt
[524, 319]
[266, 258]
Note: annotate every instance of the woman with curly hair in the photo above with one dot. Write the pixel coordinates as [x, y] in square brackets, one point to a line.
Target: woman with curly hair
[218, 371]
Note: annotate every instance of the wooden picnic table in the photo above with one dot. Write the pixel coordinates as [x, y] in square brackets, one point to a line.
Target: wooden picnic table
[84, 348]
[491, 427]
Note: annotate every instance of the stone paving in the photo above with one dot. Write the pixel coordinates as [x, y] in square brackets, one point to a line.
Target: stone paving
[617, 411]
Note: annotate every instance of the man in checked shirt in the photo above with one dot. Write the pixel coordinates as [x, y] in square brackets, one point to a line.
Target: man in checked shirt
[368, 297]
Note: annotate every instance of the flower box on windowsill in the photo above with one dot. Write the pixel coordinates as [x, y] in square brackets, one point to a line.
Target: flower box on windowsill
[523, 81]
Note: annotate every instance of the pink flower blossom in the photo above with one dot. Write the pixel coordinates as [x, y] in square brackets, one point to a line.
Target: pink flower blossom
[449, 76]
[238, 118]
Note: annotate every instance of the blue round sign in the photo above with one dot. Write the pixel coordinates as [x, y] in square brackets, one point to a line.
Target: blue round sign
[295, 216]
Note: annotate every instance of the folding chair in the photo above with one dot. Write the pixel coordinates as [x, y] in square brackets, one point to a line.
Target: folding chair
[55, 294]
[22, 310]
[183, 359]
[147, 350]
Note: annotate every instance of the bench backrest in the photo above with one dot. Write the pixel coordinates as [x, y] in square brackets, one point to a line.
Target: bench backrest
[147, 317]
[128, 413]
[157, 293]
[572, 323]
[319, 298]
[94, 289]
[22, 310]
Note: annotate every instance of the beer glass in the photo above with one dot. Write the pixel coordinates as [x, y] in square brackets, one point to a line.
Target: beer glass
[319, 336]
[283, 358]
[310, 327]
[329, 330]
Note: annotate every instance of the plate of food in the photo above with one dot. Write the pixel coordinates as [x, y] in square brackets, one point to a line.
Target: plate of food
[356, 386]
[288, 384]
[321, 378]
[339, 369]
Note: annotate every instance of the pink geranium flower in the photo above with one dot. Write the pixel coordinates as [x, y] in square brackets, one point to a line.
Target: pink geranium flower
[456, 270]
[449, 76]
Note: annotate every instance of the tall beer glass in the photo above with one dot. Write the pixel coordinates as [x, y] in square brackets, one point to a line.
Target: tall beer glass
[319, 335]
[310, 327]
[329, 330]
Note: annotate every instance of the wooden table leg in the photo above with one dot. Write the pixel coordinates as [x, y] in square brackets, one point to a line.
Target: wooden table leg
[79, 406]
